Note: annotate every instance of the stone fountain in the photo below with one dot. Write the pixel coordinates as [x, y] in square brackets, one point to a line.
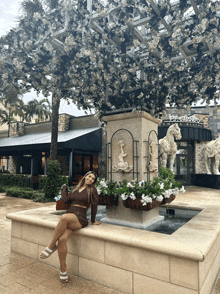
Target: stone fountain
[128, 140]
[127, 259]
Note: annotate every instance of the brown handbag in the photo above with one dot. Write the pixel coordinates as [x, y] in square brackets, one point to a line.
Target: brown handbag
[60, 205]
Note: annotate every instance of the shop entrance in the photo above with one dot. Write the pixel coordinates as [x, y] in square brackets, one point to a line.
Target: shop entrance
[184, 164]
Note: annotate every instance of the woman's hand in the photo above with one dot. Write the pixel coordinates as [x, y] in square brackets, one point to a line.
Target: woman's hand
[97, 223]
[64, 187]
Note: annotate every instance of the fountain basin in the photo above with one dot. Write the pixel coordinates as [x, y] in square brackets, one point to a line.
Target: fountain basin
[127, 259]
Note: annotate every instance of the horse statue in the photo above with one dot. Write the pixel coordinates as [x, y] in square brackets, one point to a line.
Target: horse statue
[167, 145]
[212, 149]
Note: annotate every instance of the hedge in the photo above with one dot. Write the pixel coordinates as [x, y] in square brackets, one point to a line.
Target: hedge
[26, 194]
[42, 181]
[20, 193]
[2, 189]
[15, 180]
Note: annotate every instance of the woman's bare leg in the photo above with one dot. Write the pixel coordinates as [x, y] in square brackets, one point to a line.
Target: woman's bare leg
[62, 248]
[67, 220]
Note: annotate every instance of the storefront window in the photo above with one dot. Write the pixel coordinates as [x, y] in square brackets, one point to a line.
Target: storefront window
[86, 164]
[78, 164]
[95, 163]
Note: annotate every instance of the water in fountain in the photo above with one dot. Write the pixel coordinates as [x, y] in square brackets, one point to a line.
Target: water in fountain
[168, 226]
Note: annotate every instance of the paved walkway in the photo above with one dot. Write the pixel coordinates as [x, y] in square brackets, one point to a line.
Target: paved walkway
[20, 274]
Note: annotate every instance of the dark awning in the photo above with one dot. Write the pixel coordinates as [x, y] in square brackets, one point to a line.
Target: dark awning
[87, 139]
[188, 132]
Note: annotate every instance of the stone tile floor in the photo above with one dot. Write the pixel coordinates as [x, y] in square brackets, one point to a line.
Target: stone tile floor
[20, 274]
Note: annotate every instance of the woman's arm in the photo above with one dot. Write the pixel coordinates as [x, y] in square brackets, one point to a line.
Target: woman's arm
[66, 197]
[94, 205]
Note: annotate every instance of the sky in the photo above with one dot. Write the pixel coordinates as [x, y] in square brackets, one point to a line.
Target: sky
[9, 12]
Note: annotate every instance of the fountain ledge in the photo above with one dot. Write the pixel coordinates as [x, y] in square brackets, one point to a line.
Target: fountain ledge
[127, 259]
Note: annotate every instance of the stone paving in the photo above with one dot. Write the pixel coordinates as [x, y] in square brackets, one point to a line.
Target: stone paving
[20, 274]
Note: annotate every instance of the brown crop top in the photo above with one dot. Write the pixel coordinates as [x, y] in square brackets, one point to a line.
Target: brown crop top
[81, 198]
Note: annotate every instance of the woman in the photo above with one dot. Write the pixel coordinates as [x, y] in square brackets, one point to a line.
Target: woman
[79, 199]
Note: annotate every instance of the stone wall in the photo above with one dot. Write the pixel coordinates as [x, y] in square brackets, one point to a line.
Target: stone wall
[210, 115]
[12, 164]
[204, 118]
[64, 122]
[199, 158]
[16, 129]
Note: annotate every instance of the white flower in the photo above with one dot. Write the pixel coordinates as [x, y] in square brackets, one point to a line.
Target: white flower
[130, 185]
[124, 196]
[136, 43]
[103, 184]
[146, 198]
[161, 185]
[98, 190]
[159, 198]
[140, 184]
[182, 189]
[36, 15]
[132, 196]
[167, 193]
[57, 198]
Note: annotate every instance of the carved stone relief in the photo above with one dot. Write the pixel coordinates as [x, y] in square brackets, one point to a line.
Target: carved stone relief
[122, 166]
[153, 165]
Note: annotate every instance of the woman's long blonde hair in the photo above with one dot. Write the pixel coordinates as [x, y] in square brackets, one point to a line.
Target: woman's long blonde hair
[91, 189]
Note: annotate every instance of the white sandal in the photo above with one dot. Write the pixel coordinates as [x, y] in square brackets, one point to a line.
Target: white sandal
[63, 277]
[47, 254]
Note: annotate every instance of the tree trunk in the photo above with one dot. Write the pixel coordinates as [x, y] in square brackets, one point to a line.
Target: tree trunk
[54, 130]
[9, 123]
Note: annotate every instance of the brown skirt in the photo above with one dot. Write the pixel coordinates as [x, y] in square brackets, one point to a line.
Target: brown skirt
[80, 212]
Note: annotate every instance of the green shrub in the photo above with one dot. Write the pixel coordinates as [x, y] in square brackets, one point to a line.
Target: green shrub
[40, 197]
[42, 180]
[2, 190]
[15, 180]
[25, 194]
[20, 193]
[52, 184]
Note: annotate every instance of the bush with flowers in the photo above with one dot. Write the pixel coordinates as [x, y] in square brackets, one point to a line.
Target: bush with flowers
[143, 195]
[147, 195]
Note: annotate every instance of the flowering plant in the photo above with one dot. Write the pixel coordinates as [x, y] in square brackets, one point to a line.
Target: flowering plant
[108, 189]
[159, 188]
[59, 196]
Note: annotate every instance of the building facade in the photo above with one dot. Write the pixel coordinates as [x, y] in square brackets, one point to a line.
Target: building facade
[81, 147]
[82, 144]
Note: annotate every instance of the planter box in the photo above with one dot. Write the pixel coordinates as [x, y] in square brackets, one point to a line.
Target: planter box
[137, 204]
[107, 200]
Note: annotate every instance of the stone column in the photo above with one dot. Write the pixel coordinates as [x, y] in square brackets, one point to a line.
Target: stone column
[120, 130]
[71, 165]
[64, 122]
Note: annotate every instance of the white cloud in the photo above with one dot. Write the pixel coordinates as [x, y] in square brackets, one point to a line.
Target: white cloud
[64, 107]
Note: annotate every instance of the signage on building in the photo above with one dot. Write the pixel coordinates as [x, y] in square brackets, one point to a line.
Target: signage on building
[184, 118]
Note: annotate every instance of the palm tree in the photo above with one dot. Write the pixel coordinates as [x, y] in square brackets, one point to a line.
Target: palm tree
[10, 98]
[6, 118]
[40, 108]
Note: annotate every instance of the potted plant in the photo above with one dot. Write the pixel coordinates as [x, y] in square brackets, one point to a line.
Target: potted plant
[107, 191]
[148, 195]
